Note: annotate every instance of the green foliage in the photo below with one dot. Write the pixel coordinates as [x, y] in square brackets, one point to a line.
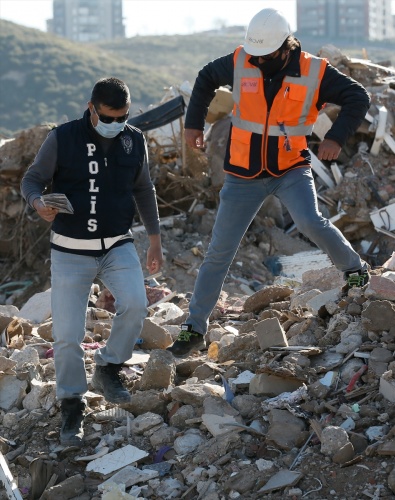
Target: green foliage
[45, 78]
[183, 55]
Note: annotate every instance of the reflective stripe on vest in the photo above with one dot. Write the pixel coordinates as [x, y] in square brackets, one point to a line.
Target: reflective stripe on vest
[80, 244]
[252, 75]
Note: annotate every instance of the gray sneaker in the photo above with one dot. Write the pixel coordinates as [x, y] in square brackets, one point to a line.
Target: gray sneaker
[107, 381]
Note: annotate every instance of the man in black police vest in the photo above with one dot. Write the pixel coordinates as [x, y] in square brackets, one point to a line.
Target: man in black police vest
[101, 164]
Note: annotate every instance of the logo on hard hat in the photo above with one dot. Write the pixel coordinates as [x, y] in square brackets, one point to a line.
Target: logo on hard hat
[255, 40]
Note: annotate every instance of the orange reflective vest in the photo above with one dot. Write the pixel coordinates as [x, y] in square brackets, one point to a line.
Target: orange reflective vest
[290, 118]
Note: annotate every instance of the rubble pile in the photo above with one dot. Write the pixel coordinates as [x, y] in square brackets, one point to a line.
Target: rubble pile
[188, 182]
[294, 396]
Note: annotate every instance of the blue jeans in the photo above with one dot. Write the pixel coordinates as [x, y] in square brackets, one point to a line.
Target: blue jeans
[72, 276]
[240, 200]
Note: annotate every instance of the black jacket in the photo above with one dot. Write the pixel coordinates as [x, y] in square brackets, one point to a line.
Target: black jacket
[335, 88]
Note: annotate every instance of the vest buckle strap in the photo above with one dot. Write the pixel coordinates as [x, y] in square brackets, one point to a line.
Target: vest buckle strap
[287, 144]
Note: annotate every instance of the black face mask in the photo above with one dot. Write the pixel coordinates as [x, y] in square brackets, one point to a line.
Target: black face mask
[272, 66]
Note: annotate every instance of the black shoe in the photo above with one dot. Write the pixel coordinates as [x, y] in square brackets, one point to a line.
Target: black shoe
[357, 279]
[107, 381]
[72, 432]
[187, 341]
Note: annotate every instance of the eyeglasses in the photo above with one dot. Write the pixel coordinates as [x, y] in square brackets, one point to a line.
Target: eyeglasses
[110, 119]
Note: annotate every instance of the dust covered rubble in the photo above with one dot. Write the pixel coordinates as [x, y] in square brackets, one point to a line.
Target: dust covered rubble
[296, 390]
[295, 394]
[356, 192]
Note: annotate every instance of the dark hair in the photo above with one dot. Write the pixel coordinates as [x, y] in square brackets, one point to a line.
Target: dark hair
[111, 92]
[290, 43]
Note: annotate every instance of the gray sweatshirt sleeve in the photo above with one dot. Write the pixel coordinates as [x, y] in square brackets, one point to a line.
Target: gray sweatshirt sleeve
[144, 195]
[40, 173]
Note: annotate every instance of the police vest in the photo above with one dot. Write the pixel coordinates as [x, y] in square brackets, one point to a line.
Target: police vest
[99, 186]
[289, 120]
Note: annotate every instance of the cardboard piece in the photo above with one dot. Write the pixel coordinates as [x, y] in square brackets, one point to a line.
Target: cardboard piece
[220, 106]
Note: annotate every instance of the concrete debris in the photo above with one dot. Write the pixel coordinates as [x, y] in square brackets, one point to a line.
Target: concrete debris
[281, 480]
[7, 480]
[295, 408]
[297, 386]
[116, 460]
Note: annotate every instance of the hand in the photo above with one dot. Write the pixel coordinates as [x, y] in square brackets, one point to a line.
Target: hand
[154, 259]
[328, 150]
[194, 138]
[46, 213]
[154, 254]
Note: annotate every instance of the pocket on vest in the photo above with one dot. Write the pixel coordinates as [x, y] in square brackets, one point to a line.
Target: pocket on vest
[291, 154]
[240, 148]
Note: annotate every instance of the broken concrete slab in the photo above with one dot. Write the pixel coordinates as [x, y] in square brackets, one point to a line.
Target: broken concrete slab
[323, 278]
[270, 333]
[315, 304]
[71, 487]
[379, 315]
[387, 448]
[138, 358]
[217, 425]
[242, 381]
[38, 308]
[116, 460]
[285, 430]
[129, 476]
[265, 296]
[379, 359]
[387, 386]
[282, 479]
[380, 288]
[7, 366]
[146, 422]
[12, 392]
[159, 372]
[195, 394]
[189, 442]
[272, 385]
[154, 336]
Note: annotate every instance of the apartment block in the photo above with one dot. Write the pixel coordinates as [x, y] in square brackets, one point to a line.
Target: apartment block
[87, 20]
[352, 19]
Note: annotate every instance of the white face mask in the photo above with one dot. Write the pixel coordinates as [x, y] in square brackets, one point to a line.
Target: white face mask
[109, 130]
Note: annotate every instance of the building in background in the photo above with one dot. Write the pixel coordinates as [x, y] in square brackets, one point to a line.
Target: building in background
[87, 20]
[351, 19]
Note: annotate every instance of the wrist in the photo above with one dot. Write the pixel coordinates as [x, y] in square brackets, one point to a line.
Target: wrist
[35, 203]
[155, 239]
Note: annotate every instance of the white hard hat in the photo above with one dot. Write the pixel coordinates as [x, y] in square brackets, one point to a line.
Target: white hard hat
[266, 32]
